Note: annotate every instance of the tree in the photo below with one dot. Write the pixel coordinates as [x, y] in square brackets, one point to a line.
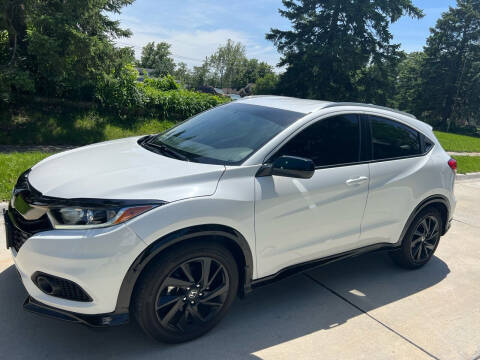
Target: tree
[451, 68]
[158, 57]
[182, 73]
[62, 46]
[408, 84]
[249, 72]
[375, 83]
[331, 42]
[199, 75]
[226, 62]
[266, 85]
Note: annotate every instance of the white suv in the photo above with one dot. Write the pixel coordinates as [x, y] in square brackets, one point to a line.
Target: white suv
[170, 228]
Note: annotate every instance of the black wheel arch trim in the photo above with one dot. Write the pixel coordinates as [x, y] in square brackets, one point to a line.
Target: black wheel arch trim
[431, 200]
[128, 285]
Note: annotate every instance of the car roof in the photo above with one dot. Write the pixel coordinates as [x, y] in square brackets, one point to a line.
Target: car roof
[307, 106]
[304, 106]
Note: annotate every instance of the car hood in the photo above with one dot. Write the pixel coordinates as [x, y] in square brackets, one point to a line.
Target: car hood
[122, 169]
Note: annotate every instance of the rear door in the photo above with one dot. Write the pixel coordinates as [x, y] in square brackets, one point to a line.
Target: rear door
[297, 220]
[396, 170]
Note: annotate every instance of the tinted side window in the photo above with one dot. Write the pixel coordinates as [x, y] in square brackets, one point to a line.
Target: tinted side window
[391, 139]
[428, 144]
[331, 141]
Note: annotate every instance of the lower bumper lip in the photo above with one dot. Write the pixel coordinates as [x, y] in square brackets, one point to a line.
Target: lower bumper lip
[100, 320]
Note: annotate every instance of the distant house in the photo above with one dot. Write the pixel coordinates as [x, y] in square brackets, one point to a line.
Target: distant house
[141, 72]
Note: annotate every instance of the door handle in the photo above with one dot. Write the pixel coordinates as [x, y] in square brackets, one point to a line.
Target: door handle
[356, 181]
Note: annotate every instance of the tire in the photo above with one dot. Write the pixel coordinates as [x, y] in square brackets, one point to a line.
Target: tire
[186, 292]
[420, 241]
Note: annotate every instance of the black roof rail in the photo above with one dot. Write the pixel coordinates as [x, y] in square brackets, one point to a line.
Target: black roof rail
[369, 106]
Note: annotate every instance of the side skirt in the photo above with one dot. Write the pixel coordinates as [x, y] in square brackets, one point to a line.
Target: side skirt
[309, 265]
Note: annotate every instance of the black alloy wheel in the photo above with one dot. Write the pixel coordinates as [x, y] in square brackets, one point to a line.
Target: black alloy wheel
[425, 239]
[192, 294]
[421, 240]
[186, 291]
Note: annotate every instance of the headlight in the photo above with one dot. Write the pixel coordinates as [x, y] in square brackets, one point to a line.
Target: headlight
[87, 218]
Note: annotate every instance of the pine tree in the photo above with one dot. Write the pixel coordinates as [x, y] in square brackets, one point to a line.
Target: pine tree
[332, 42]
[451, 69]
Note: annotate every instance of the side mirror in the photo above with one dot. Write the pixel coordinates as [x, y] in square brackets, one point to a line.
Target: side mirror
[289, 166]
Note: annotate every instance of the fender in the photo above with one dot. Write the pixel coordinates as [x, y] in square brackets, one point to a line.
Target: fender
[434, 199]
[133, 273]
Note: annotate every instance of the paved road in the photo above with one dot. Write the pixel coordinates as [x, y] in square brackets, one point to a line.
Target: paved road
[362, 308]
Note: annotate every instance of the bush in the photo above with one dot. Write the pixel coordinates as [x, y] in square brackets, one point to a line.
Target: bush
[13, 84]
[178, 104]
[119, 91]
[162, 97]
[165, 83]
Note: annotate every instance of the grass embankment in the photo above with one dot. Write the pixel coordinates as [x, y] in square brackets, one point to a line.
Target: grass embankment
[468, 164]
[60, 125]
[461, 143]
[458, 143]
[12, 165]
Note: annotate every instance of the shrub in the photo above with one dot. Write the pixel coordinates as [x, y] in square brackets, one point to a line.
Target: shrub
[162, 97]
[14, 83]
[165, 83]
[119, 91]
[178, 104]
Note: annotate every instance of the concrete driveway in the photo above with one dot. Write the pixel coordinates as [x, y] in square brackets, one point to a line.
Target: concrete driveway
[362, 308]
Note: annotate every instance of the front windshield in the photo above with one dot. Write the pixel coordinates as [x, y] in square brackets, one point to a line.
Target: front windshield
[227, 134]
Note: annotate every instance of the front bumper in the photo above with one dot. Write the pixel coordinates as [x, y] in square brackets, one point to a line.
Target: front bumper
[96, 259]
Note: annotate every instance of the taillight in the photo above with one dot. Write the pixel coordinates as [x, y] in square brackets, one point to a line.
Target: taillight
[453, 164]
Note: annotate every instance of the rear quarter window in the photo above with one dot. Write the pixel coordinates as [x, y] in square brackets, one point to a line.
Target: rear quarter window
[391, 139]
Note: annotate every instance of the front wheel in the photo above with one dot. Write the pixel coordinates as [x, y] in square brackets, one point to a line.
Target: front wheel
[186, 292]
[420, 241]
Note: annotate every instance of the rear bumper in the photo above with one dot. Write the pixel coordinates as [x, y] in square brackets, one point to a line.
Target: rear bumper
[98, 320]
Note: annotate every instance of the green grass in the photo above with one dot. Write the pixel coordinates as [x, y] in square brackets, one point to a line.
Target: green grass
[60, 125]
[468, 164]
[459, 143]
[12, 165]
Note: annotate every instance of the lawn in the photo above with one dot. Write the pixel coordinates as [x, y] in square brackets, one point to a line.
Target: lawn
[458, 143]
[468, 164]
[51, 125]
[12, 165]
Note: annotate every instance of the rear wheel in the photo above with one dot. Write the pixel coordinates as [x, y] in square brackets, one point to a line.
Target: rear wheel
[186, 292]
[420, 241]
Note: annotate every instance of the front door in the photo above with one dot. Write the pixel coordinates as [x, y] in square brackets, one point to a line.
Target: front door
[297, 220]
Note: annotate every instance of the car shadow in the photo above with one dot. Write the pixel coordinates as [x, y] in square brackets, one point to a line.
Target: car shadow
[271, 315]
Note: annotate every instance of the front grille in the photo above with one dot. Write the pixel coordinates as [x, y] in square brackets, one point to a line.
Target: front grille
[15, 237]
[59, 287]
[20, 229]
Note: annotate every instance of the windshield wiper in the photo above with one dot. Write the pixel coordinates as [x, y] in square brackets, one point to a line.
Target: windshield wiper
[168, 150]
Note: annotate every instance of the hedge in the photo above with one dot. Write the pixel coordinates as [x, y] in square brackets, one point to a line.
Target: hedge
[164, 98]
